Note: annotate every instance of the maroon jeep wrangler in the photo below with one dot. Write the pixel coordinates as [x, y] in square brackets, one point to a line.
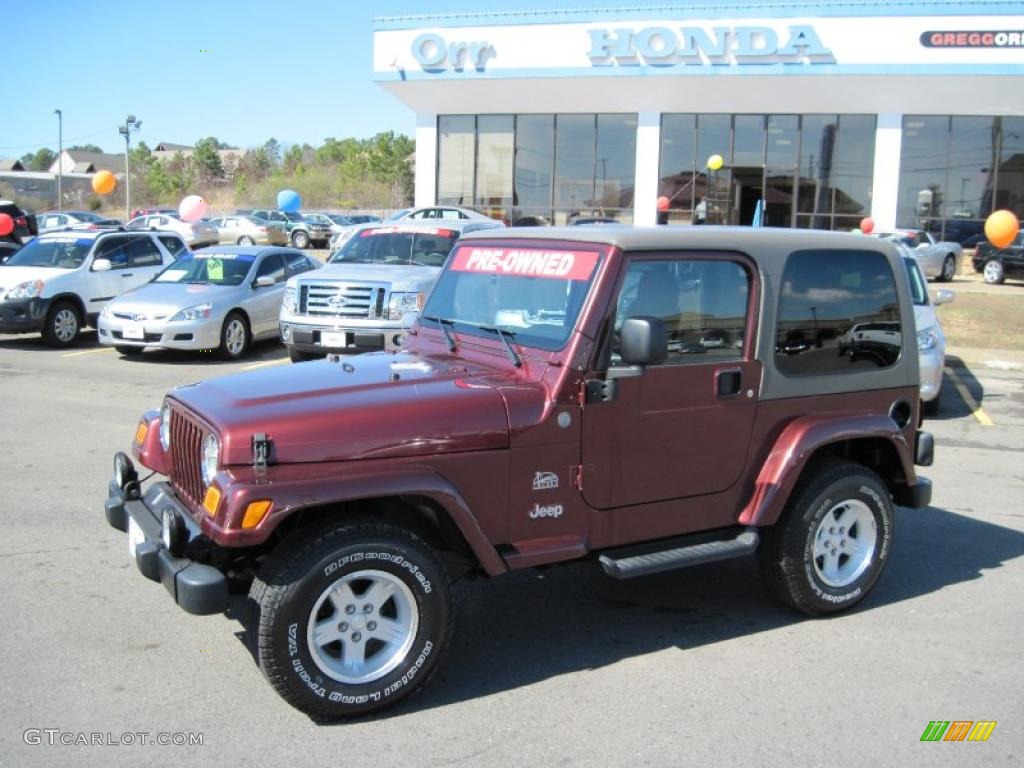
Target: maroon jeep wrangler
[647, 399]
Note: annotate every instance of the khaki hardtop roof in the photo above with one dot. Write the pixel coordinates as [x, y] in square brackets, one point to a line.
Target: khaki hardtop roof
[755, 241]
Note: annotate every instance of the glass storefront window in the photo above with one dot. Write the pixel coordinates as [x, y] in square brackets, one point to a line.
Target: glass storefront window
[456, 138]
[853, 167]
[1010, 171]
[615, 164]
[495, 150]
[817, 151]
[678, 177]
[534, 168]
[575, 137]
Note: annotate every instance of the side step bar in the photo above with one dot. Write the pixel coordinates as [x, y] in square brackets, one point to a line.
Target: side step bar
[679, 557]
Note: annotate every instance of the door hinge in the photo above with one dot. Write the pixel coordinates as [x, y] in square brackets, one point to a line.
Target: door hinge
[261, 449]
[577, 477]
[599, 391]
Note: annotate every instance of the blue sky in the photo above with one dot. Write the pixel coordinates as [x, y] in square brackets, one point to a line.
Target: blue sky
[298, 70]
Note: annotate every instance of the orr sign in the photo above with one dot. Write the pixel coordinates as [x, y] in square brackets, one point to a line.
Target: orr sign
[667, 46]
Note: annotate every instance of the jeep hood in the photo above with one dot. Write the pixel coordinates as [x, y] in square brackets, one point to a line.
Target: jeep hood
[378, 405]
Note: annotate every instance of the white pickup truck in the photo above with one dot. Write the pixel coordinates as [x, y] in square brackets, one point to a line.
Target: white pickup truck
[938, 258]
[370, 290]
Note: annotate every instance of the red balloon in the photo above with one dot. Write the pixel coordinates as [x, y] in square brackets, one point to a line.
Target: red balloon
[663, 203]
[867, 225]
[6, 224]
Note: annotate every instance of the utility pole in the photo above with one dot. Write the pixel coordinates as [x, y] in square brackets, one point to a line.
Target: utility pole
[60, 159]
[130, 124]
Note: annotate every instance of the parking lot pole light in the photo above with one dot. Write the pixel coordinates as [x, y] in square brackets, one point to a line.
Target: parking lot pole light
[125, 130]
[60, 159]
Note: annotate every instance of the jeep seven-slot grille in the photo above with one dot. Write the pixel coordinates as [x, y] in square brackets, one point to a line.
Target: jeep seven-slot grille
[347, 300]
[186, 453]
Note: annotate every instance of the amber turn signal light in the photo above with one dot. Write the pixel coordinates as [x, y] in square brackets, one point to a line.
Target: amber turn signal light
[255, 512]
[211, 500]
[140, 433]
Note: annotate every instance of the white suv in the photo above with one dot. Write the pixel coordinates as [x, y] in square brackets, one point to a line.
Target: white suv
[60, 281]
[370, 289]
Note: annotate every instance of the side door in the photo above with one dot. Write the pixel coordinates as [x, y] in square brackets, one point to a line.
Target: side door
[101, 287]
[680, 428]
[264, 306]
[144, 261]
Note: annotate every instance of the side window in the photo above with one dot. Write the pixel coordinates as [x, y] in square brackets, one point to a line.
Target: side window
[272, 266]
[448, 213]
[838, 312]
[226, 223]
[115, 250]
[703, 304]
[142, 252]
[297, 263]
[174, 245]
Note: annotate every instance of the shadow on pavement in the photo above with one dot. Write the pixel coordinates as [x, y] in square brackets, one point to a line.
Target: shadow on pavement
[526, 627]
[951, 404]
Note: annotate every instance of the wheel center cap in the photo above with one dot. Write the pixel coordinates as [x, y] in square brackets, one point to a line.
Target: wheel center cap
[358, 622]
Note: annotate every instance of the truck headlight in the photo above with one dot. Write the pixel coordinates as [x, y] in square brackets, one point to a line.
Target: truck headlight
[198, 312]
[290, 302]
[927, 339]
[211, 458]
[27, 290]
[402, 303]
[165, 426]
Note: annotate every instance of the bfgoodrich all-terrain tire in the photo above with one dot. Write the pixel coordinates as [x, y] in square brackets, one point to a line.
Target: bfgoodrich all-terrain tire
[828, 549]
[351, 618]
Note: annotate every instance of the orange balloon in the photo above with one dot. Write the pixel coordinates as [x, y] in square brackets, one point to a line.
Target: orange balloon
[1001, 227]
[103, 183]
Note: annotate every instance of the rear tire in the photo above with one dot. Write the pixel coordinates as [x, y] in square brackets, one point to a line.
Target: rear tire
[245, 240]
[234, 336]
[63, 324]
[350, 617]
[127, 351]
[948, 269]
[829, 547]
[993, 273]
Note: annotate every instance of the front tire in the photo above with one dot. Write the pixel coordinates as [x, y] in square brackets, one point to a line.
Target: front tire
[352, 618]
[300, 239]
[63, 324]
[245, 240]
[993, 272]
[948, 269]
[234, 337]
[828, 549]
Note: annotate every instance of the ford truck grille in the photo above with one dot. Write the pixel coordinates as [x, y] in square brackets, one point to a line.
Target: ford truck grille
[344, 300]
[186, 453]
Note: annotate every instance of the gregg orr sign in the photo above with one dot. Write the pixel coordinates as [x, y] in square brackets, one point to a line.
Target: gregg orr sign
[799, 44]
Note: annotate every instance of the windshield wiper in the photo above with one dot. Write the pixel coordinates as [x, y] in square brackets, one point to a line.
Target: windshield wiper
[505, 336]
[443, 323]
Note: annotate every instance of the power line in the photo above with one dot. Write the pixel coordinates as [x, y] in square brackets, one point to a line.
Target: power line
[40, 144]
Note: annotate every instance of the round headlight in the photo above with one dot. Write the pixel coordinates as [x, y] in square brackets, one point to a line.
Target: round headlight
[165, 426]
[211, 458]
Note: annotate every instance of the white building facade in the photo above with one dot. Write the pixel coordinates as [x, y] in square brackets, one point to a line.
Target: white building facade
[822, 113]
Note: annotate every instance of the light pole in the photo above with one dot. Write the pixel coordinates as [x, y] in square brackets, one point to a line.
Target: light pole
[60, 159]
[130, 124]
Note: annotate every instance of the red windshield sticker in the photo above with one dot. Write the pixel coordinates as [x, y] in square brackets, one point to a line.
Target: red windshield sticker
[406, 231]
[559, 265]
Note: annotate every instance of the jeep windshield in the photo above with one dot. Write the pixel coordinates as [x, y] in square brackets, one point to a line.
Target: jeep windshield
[418, 246]
[208, 268]
[63, 253]
[532, 295]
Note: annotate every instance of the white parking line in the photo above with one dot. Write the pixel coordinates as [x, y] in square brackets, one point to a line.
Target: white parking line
[88, 352]
[266, 364]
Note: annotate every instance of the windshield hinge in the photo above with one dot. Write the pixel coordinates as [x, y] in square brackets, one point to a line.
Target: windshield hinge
[261, 449]
[577, 477]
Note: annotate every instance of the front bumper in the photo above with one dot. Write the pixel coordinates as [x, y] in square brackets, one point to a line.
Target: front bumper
[931, 364]
[23, 315]
[197, 588]
[310, 338]
[183, 334]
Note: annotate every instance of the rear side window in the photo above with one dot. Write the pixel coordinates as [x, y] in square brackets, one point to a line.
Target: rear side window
[838, 312]
[143, 252]
[174, 244]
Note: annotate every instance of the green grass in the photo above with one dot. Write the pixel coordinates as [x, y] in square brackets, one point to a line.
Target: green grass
[984, 320]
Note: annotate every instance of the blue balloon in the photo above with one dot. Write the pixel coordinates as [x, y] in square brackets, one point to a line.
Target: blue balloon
[288, 200]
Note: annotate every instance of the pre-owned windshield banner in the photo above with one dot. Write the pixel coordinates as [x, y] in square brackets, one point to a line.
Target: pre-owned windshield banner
[526, 262]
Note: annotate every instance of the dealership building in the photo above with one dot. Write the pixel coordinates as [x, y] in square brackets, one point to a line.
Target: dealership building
[822, 113]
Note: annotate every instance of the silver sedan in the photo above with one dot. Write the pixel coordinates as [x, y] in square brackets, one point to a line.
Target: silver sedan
[222, 298]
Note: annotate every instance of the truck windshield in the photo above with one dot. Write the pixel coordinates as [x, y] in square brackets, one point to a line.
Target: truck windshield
[426, 247]
[62, 253]
[534, 295]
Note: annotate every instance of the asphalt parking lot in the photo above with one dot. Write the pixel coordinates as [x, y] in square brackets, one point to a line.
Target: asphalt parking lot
[550, 667]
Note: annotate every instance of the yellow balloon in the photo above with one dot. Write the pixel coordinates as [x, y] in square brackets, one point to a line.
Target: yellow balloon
[103, 183]
[715, 162]
[1001, 227]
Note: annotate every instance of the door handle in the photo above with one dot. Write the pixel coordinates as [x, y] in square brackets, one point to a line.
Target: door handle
[728, 382]
[127, 274]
